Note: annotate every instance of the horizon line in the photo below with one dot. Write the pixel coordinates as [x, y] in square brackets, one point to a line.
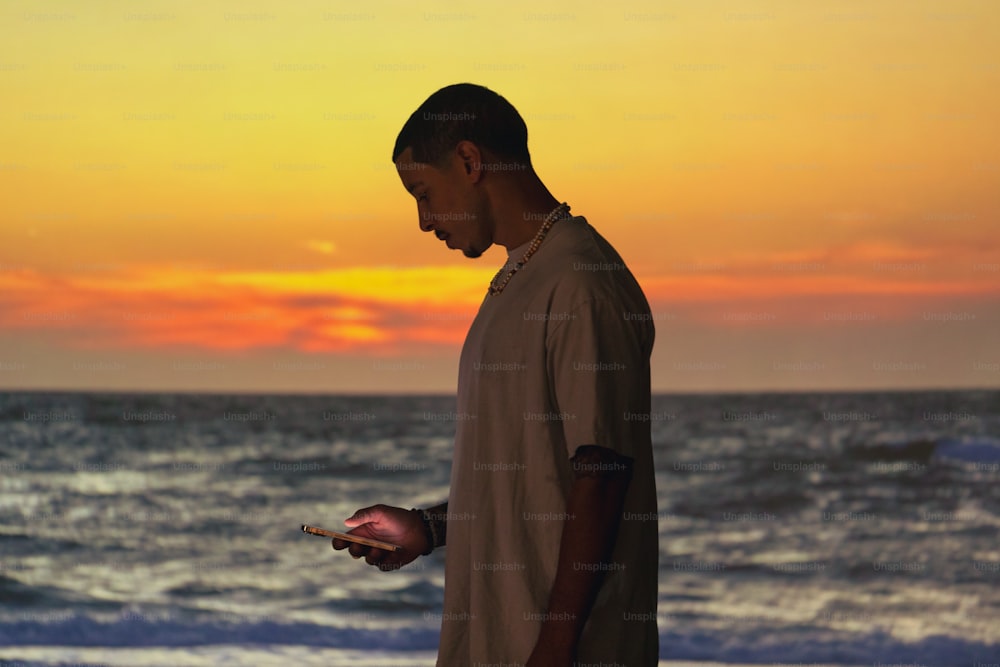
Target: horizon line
[390, 394]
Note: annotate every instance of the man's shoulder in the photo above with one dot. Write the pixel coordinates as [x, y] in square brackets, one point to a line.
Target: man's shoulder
[583, 266]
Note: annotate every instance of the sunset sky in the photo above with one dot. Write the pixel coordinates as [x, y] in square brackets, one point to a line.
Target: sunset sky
[199, 196]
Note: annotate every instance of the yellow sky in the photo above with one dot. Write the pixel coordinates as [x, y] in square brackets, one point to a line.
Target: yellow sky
[226, 167]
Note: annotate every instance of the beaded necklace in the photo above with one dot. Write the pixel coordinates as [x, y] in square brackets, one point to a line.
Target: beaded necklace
[558, 213]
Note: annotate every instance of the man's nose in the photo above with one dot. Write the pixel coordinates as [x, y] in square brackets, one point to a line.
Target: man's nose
[425, 222]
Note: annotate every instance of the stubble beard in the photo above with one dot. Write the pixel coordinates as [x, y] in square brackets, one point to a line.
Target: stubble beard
[473, 250]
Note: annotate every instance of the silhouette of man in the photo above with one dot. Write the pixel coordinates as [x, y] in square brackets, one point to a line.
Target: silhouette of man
[551, 518]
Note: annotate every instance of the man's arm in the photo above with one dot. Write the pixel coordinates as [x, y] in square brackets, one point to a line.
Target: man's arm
[594, 511]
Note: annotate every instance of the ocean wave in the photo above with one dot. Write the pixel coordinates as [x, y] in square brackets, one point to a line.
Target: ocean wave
[133, 630]
[788, 645]
[983, 450]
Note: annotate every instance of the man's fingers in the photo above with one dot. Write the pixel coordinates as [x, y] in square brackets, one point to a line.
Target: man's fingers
[338, 544]
[389, 566]
[390, 563]
[362, 516]
[381, 558]
[372, 555]
[358, 550]
[376, 556]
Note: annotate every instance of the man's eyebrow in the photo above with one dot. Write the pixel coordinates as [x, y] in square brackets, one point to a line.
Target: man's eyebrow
[413, 185]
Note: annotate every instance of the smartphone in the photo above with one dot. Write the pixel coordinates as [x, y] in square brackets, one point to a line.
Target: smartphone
[313, 530]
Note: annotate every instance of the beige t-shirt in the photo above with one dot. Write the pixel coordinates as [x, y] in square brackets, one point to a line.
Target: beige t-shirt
[559, 359]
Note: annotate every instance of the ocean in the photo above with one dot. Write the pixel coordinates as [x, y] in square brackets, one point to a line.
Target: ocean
[795, 529]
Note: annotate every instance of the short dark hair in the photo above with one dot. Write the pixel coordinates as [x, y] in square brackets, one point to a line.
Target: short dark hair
[464, 111]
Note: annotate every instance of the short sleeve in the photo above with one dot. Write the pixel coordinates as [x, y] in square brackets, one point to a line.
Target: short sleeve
[598, 366]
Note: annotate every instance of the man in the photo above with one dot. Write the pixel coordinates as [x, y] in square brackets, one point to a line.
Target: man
[550, 523]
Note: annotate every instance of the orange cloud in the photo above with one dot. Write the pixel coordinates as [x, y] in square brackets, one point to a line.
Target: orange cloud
[380, 310]
[388, 310]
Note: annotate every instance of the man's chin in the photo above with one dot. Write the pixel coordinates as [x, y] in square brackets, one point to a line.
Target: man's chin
[472, 253]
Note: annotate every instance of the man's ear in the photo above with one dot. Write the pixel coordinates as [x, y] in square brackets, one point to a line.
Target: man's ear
[471, 160]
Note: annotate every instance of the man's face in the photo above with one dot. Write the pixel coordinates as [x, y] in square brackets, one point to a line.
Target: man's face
[448, 204]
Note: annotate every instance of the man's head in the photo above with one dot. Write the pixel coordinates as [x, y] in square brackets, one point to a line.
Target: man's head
[464, 111]
[452, 152]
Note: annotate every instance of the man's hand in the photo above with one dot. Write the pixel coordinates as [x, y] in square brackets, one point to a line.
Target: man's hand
[388, 524]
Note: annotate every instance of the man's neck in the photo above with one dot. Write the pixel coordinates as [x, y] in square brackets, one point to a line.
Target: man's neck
[519, 212]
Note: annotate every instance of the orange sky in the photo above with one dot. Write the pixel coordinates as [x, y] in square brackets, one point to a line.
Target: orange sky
[201, 197]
